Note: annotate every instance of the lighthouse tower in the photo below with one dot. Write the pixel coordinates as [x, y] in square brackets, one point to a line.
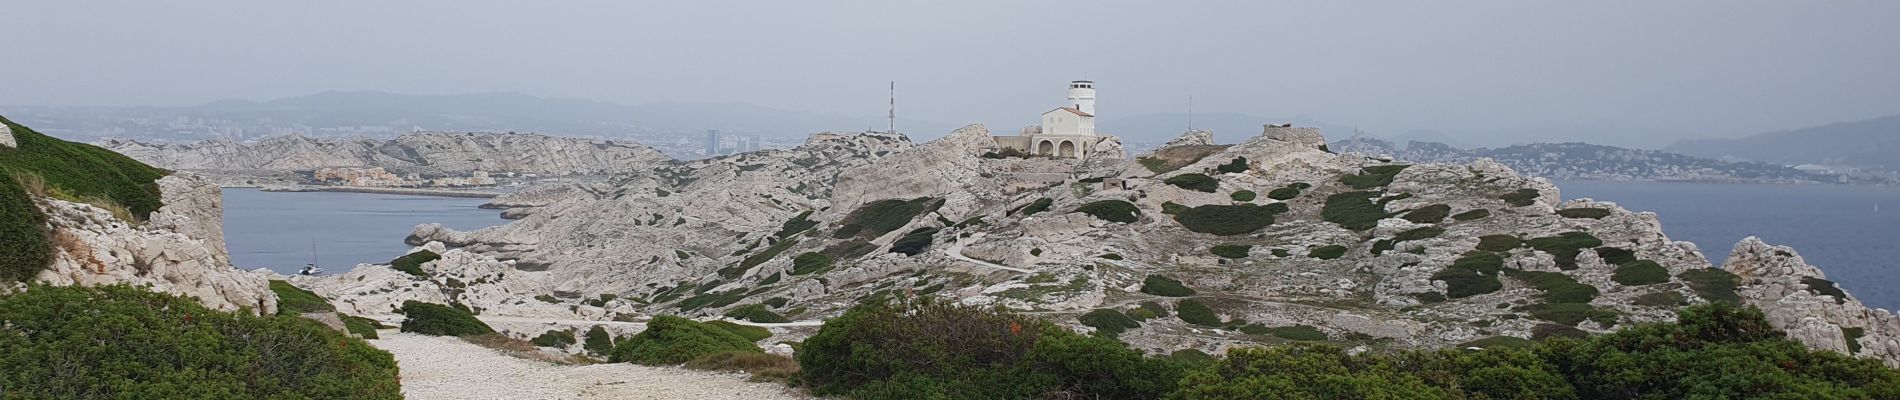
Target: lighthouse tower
[1082, 96]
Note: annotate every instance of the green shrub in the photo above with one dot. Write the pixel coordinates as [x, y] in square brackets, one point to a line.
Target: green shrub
[1499, 341]
[712, 299]
[849, 250]
[1242, 196]
[1557, 287]
[24, 245]
[810, 263]
[883, 216]
[1228, 220]
[1327, 252]
[1825, 288]
[1429, 297]
[1170, 208]
[1565, 247]
[1418, 234]
[555, 338]
[1032, 208]
[770, 252]
[670, 340]
[1231, 250]
[1498, 243]
[1521, 197]
[1591, 213]
[1640, 272]
[1616, 256]
[1155, 165]
[1112, 256]
[69, 342]
[292, 300]
[794, 226]
[1431, 214]
[1164, 286]
[1471, 215]
[1285, 193]
[1353, 210]
[1661, 299]
[363, 327]
[440, 320]
[1713, 284]
[1108, 323]
[1239, 164]
[1570, 314]
[1853, 336]
[1158, 310]
[79, 171]
[1473, 274]
[1192, 357]
[1193, 312]
[1373, 176]
[751, 333]
[412, 263]
[914, 242]
[1112, 211]
[598, 341]
[940, 350]
[1195, 182]
[1297, 332]
[755, 313]
[1383, 245]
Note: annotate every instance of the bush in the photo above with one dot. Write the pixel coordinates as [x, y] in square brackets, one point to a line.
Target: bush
[1228, 220]
[755, 313]
[1471, 215]
[125, 342]
[1112, 256]
[1499, 341]
[1418, 234]
[1499, 243]
[939, 350]
[1565, 247]
[1242, 196]
[412, 263]
[1373, 176]
[1231, 250]
[1353, 210]
[1164, 286]
[598, 341]
[1825, 288]
[1640, 272]
[1238, 165]
[914, 242]
[1713, 284]
[1521, 197]
[1297, 332]
[25, 248]
[770, 252]
[78, 171]
[1155, 165]
[1195, 182]
[670, 340]
[1285, 193]
[292, 300]
[1431, 214]
[810, 263]
[1474, 274]
[362, 327]
[883, 216]
[1108, 323]
[1112, 211]
[1557, 287]
[1591, 213]
[440, 320]
[1032, 208]
[1616, 256]
[750, 333]
[1194, 312]
[1661, 299]
[1569, 314]
[762, 366]
[794, 226]
[559, 339]
[1327, 252]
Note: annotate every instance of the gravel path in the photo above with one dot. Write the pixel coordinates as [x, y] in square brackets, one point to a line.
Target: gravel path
[435, 367]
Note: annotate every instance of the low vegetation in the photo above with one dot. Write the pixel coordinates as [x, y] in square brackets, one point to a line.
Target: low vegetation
[412, 263]
[1557, 287]
[1034, 207]
[1521, 197]
[1565, 247]
[1228, 220]
[1164, 286]
[1471, 215]
[1327, 252]
[1373, 176]
[41, 165]
[914, 242]
[1108, 323]
[1112, 211]
[1640, 272]
[883, 216]
[440, 320]
[292, 300]
[559, 339]
[1195, 182]
[1242, 196]
[1237, 165]
[1473, 274]
[1353, 210]
[1194, 312]
[1591, 213]
[755, 313]
[1431, 214]
[749, 332]
[127, 342]
[670, 340]
[1825, 288]
[763, 367]
[1499, 243]
[598, 341]
[1231, 250]
[1297, 333]
[362, 327]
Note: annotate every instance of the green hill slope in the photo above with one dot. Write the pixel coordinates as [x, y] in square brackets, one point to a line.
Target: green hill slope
[67, 170]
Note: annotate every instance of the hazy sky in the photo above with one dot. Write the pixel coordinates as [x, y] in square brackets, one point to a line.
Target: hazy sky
[1632, 73]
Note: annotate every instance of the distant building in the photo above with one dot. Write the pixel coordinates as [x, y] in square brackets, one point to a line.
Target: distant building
[712, 142]
[1067, 131]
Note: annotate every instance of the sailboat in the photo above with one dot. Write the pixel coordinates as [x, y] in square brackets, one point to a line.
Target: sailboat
[312, 269]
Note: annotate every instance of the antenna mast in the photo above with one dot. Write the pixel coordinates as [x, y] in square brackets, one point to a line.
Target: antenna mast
[1190, 113]
[893, 106]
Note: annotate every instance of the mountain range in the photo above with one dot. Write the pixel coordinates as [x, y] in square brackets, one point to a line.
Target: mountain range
[1867, 144]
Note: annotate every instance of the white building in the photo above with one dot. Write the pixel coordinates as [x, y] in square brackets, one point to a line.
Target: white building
[1067, 131]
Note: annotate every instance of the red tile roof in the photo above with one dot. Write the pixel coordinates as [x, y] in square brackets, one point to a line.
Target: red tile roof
[1073, 110]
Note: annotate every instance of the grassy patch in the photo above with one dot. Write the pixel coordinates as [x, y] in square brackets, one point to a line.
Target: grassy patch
[1373, 176]
[1431, 214]
[1640, 272]
[755, 313]
[292, 300]
[440, 320]
[412, 263]
[362, 327]
[1661, 299]
[713, 299]
[1521, 197]
[1228, 220]
[1471, 215]
[1353, 210]
[883, 216]
[1418, 234]
[1034, 207]
[1231, 250]
[770, 252]
[1591, 213]
[809, 263]
[1285, 193]
[1164, 286]
[1557, 287]
[1242, 196]
[1193, 312]
[559, 339]
[1108, 323]
[1826, 288]
[1112, 211]
[762, 366]
[1474, 274]
[1499, 341]
[793, 226]
[1195, 182]
[1297, 332]
[1713, 284]
[1569, 314]
[77, 170]
[1853, 336]
[1499, 243]
[914, 242]
[1156, 165]
[670, 340]
[1327, 252]
[1615, 255]
[25, 247]
[1239, 164]
[1565, 247]
[752, 333]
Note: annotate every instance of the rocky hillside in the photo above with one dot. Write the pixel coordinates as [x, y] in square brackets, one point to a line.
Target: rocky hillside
[1589, 161]
[1193, 246]
[418, 152]
[79, 215]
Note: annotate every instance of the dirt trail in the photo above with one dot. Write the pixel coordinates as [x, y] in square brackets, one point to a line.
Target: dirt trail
[435, 367]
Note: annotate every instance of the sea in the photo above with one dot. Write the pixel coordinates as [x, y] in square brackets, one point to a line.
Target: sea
[284, 231]
[1851, 232]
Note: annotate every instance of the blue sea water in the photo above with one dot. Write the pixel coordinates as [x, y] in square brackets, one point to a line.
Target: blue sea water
[278, 229]
[1851, 232]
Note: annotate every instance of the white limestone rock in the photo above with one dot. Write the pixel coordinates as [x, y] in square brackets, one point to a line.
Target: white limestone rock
[1780, 282]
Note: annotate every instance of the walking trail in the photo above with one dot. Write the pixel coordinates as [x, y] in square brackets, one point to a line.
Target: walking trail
[436, 367]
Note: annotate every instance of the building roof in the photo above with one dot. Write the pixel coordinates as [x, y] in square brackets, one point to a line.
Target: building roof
[1071, 110]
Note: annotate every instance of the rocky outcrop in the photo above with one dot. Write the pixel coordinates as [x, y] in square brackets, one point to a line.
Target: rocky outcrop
[1192, 138]
[1799, 299]
[419, 152]
[486, 285]
[6, 137]
[180, 250]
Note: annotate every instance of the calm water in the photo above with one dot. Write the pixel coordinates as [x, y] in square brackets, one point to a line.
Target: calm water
[1834, 227]
[277, 229]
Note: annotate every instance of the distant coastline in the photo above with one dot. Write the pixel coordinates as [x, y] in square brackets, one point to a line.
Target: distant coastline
[382, 190]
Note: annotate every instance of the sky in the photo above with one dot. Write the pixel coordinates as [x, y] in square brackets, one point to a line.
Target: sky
[1633, 73]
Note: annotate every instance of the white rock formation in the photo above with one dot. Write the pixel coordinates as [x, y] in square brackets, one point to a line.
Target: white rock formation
[6, 137]
[1777, 280]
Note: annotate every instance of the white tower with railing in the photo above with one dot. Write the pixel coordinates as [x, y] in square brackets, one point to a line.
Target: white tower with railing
[1082, 96]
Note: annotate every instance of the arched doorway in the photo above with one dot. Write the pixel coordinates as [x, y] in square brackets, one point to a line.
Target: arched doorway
[1046, 148]
[1068, 148]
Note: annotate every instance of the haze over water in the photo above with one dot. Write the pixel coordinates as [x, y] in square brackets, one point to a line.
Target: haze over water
[277, 229]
